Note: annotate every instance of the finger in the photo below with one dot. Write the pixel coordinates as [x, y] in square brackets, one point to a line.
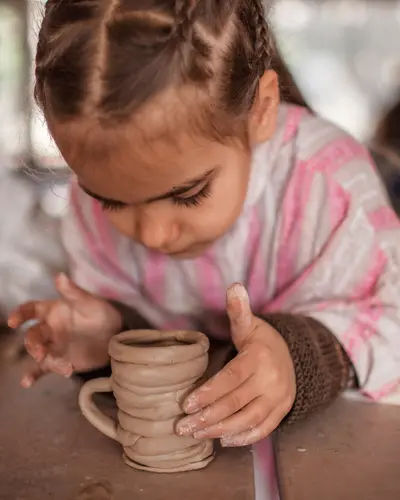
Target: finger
[239, 313]
[228, 379]
[28, 311]
[32, 375]
[50, 364]
[220, 410]
[58, 365]
[36, 341]
[69, 290]
[245, 420]
[259, 432]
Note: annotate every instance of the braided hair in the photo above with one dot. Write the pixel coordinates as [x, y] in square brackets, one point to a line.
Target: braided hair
[262, 38]
[184, 16]
[108, 58]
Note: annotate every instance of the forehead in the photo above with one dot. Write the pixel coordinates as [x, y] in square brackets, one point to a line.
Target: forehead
[127, 165]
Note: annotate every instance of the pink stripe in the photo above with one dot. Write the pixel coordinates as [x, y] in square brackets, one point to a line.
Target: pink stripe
[384, 218]
[329, 158]
[279, 301]
[256, 281]
[91, 244]
[293, 208]
[384, 391]
[211, 287]
[363, 328]
[154, 277]
[213, 296]
[99, 259]
[371, 309]
[368, 284]
[339, 202]
[336, 154]
[294, 117]
[103, 230]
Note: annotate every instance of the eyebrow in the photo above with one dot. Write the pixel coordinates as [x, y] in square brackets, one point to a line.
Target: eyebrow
[175, 191]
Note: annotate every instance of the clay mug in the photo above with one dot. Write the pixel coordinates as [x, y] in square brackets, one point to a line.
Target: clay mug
[152, 373]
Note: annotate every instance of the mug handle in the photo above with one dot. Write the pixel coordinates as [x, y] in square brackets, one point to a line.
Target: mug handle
[91, 412]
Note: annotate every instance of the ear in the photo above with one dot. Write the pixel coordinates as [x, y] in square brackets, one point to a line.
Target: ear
[264, 112]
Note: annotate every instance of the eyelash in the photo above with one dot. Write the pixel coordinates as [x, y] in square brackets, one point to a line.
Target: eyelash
[193, 201]
[112, 206]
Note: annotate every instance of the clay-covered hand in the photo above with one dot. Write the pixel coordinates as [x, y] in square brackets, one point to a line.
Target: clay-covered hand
[250, 396]
[70, 334]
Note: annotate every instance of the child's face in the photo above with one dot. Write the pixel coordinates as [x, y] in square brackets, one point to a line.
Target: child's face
[176, 197]
[177, 193]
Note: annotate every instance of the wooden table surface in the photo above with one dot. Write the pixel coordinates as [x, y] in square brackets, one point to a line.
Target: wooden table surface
[49, 451]
[350, 451]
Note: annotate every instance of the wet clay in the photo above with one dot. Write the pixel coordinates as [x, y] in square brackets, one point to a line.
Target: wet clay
[152, 373]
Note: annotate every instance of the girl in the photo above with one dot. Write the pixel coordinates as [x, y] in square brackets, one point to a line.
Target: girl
[190, 176]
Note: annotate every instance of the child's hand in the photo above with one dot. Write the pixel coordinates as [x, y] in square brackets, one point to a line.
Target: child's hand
[71, 334]
[248, 398]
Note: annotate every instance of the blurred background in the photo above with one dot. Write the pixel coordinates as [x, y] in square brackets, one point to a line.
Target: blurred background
[345, 57]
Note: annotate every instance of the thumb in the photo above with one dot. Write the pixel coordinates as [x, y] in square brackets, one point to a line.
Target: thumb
[69, 290]
[239, 313]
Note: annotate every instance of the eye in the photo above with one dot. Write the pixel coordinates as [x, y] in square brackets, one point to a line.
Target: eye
[112, 206]
[193, 200]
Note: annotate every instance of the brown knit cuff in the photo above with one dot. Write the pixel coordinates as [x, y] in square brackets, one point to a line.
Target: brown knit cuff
[323, 369]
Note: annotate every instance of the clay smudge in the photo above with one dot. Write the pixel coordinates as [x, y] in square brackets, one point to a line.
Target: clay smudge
[241, 439]
[189, 425]
[187, 429]
[238, 291]
[237, 296]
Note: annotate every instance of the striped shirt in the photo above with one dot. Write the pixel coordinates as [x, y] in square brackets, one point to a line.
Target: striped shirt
[316, 237]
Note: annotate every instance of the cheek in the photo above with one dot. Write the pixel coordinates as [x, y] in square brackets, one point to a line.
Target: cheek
[123, 221]
[232, 188]
[226, 202]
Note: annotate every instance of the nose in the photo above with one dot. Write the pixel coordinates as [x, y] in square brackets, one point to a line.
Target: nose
[155, 231]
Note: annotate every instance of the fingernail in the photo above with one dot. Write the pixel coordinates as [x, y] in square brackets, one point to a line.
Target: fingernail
[225, 443]
[36, 351]
[62, 279]
[186, 429]
[38, 354]
[12, 321]
[27, 382]
[201, 434]
[237, 290]
[191, 405]
[60, 366]
[67, 369]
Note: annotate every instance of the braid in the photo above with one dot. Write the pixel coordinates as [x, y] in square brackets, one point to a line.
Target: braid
[262, 38]
[67, 26]
[107, 58]
[266, 55]
[184, 15]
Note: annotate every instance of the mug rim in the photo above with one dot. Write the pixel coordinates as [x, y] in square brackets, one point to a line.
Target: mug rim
[194, 344]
